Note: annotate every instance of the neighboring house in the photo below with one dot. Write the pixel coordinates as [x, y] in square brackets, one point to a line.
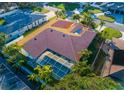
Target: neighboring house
[13, 7]
[116, 59]
[18, 22]
[60, 43]
[117, 7]
[2, 11]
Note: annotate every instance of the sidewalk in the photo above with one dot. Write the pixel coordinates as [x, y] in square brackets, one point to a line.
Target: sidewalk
[122, 35]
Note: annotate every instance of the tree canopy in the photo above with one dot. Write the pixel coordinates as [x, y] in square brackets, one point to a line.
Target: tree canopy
[3, 38]
[83, 77]
[109, 33]
[13, 55]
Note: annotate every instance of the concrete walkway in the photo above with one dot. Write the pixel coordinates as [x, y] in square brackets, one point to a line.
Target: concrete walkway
[122, 36]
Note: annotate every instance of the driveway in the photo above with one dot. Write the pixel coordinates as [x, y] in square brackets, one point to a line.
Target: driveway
[50, 14]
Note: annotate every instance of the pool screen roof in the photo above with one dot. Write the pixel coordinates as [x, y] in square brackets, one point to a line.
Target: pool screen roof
[17, 19]
[59, 70]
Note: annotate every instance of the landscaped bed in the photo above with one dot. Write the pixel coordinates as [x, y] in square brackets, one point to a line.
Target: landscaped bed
[95, 11]
[2, 21]
[106, 18]
[108, 33]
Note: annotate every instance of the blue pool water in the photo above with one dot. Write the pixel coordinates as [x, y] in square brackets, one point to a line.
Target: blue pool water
[78, 31]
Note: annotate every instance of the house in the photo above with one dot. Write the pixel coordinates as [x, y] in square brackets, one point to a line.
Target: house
[116, 59]
[59, 45]
[63, 37]
[2, 11]
[18, 22]
[114, 7]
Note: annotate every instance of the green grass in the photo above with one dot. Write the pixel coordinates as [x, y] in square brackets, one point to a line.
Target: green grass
[95, 11]
[30, 31]
[108, 33]
[106, 18]
[64, 6]
[34, 29]
[39, 9]
[2, 21]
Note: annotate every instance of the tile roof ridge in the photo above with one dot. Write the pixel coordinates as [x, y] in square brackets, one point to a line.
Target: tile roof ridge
[73, 48]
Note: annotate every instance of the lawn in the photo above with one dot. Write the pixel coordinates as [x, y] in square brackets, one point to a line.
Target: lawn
[95, 11]
[65, 6]
[2, 21]
[106, 18]
[39, 9]
[30, 31]
[108, 33]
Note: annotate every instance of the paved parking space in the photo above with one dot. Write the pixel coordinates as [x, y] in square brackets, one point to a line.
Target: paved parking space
[9, 81]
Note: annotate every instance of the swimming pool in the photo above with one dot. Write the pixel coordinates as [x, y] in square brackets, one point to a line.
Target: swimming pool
[59, 70]
[17, 19]
[78, 31]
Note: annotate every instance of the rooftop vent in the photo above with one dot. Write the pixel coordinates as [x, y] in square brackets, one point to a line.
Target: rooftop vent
[51, 30]
[63, 35]
[35, 38]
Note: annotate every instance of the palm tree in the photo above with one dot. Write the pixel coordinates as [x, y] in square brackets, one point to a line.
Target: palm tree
[87, 7]
[32, 77]
[37, 68]
[11, 50]
[18, 63]
[44, 73]
[3, 38]
[76, 17]
[85, 54]
[60, 14]
[101, 24]
[88, 20]
[82, 69]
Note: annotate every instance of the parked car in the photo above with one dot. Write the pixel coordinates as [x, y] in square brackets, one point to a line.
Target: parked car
[107, 13]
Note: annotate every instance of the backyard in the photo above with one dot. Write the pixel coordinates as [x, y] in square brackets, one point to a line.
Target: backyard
[108, 33]
[106, 18]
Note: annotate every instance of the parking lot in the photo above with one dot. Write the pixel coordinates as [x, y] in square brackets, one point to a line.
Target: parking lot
[9, 81]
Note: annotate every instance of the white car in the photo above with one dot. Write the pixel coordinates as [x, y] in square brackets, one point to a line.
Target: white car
[108, 13]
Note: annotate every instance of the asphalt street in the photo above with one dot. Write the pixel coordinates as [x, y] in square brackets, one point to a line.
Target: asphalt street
[112, 25]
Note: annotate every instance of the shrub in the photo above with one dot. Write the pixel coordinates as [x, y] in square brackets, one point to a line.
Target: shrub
[108, 33]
